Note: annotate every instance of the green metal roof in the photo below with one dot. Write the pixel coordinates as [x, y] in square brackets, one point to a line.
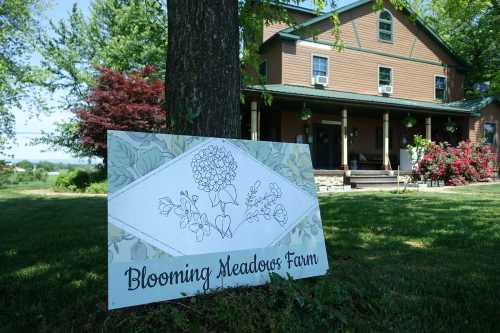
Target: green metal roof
[286, 33]
[298, 8]
[470, 107]
[320, 18]
[475, 105]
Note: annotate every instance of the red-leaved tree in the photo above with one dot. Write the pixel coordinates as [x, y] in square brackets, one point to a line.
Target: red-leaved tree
[121, 101]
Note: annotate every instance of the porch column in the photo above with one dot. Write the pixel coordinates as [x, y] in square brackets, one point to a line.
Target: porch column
[386, 141]
[343, 134]
[428, 128]
[258, 124]
[253, 121]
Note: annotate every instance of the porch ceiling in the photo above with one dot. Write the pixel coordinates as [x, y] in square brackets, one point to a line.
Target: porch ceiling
[348, 98]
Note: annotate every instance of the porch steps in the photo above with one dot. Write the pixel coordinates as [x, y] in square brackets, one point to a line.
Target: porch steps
[373, 180]
[369, 173]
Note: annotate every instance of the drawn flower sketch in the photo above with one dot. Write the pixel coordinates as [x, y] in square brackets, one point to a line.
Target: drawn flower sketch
[214, 170]
[266, 205]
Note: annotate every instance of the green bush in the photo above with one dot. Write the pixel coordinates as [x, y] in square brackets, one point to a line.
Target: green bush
[98, 188]
[5, 176]
[98, 175]
[80, 180]
[24, 177]
[72, 180]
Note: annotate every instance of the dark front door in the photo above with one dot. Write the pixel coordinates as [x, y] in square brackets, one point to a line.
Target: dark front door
[326, 146]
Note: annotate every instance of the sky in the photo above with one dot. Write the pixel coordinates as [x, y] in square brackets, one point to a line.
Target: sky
[28, 127]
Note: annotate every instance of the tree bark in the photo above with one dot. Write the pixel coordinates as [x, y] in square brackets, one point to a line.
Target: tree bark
[203, 70]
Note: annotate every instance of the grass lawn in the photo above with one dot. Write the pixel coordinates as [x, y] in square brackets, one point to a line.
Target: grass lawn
[415, 262]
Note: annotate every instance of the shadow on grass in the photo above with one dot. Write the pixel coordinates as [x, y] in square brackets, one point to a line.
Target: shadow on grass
[53, 259]
[407, 263]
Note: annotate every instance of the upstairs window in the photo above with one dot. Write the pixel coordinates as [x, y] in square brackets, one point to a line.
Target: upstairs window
[440, 88]
[319, 66]
[384, 76]
[385, 26]
[490, 133]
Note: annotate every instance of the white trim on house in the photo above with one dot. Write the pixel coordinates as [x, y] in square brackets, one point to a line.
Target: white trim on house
[331, 122]
[314, 45]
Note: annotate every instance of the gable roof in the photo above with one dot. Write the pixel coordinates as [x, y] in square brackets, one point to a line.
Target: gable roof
[466, 107]
[291, 32]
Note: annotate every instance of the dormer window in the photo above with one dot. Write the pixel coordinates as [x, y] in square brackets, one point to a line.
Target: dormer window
[385, 26]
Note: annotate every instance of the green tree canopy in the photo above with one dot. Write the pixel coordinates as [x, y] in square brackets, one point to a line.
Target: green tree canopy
[122, 35]
[18, 23]
[472, 28]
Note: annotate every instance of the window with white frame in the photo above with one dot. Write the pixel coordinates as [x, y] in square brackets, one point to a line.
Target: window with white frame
[319, 66]
[490, 133]
[385, 26]
[384, 76]
[440, 88]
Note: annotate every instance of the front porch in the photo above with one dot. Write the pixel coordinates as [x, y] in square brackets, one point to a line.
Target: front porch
[355, 134]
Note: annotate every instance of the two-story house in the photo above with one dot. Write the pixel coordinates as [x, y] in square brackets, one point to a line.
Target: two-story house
[359, 107]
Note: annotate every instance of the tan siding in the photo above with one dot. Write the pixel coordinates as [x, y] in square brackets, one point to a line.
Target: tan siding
[322, 30]
[272, 28]
[272, 55]
[455, 84]
[476, 125]
[356, 71]
[408, 38]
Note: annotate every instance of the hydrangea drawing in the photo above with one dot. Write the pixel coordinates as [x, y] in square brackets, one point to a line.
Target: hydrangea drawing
[213, 168]
[265, 206]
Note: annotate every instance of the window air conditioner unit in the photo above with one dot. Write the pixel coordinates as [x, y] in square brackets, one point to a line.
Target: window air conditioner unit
[385, 90]
[321, 80]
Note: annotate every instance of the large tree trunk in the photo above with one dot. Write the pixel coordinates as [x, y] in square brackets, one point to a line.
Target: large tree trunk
[203, 71]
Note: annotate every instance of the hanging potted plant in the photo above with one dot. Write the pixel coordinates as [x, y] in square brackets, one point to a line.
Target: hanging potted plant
[409, 121]
[305, 113]
[450, 126]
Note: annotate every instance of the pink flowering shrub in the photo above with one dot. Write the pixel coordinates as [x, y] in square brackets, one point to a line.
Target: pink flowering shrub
[468, 162]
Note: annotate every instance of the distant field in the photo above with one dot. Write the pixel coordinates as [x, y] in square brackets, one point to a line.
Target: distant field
[416, 262]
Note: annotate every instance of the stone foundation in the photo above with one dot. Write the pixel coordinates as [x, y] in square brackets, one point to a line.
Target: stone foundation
[405, 179]
[330, 183]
